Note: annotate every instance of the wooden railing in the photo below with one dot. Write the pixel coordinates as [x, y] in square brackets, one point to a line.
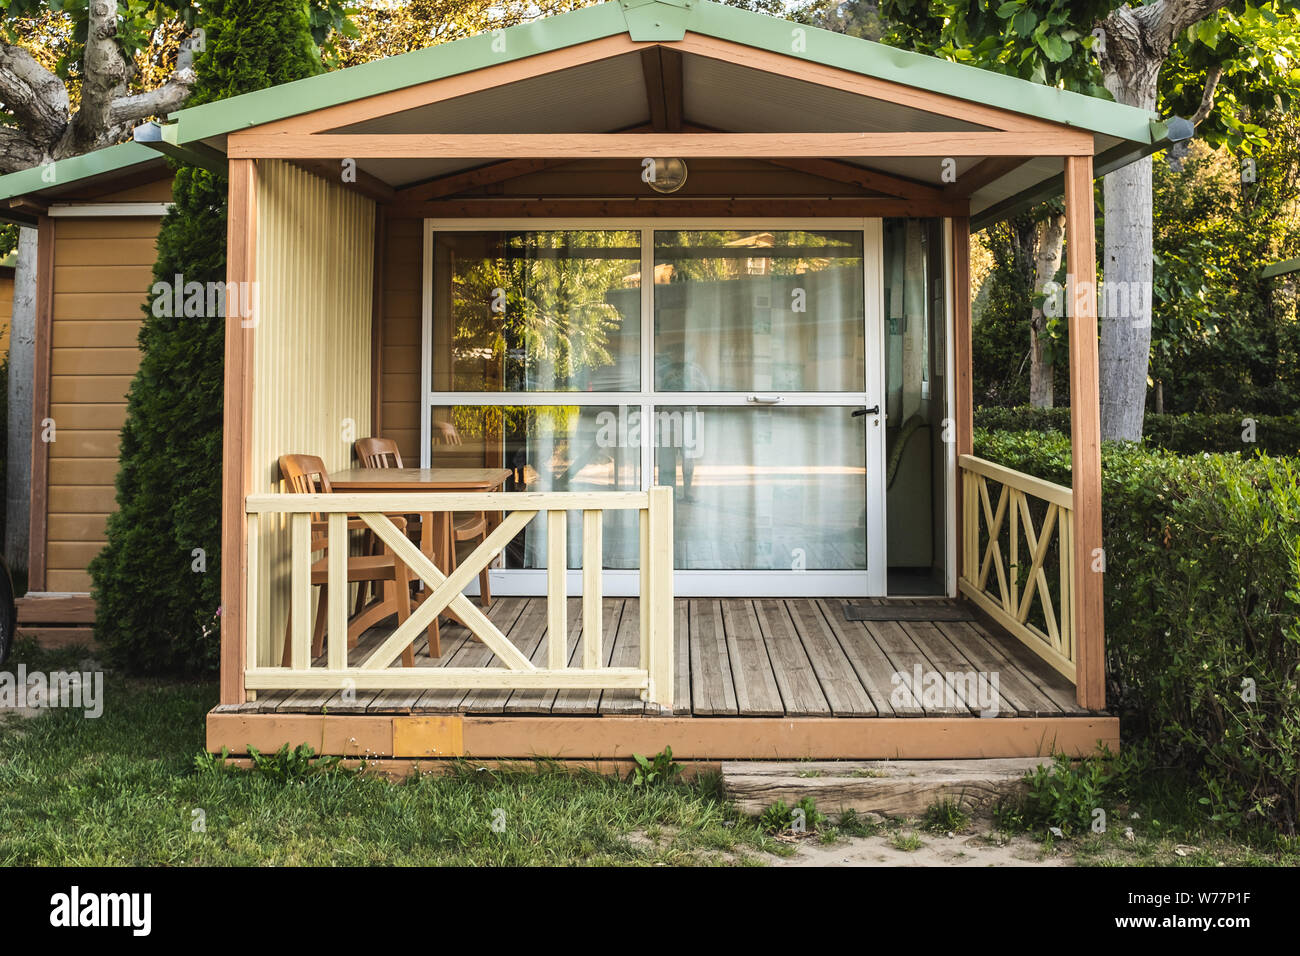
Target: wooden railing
[654, 676]
[992, 537]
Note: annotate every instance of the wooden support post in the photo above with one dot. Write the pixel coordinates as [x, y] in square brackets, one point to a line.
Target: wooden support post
[557, 568]
[660, 637]
[592, 566]
[336, 635]
[963, 389]
[241, 266]
[1088, 610]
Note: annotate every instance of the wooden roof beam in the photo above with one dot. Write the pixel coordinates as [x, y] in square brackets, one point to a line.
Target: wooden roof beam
[839, 172]
[981, 174]
[258, 145]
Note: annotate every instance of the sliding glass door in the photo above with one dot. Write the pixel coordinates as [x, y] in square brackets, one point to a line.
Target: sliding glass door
[724, 360]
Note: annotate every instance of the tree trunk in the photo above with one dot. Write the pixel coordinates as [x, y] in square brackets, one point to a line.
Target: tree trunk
[22, 352]
[1051, 240]
[1131, 70]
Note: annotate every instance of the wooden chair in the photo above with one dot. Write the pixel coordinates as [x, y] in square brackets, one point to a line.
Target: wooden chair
[471, 526]
[305, 474]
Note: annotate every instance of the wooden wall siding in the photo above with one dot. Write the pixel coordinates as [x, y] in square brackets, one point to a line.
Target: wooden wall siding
[311, 347]
[402, 277]
[103, 268]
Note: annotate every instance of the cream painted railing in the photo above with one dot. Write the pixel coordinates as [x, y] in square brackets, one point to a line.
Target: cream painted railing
[654, 676]
[992, 539]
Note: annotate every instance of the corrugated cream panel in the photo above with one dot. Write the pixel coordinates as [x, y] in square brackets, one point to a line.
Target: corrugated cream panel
[311, 350]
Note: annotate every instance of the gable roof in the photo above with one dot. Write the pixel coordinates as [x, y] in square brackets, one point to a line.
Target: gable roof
[50, 179]
[667, 21]
[197, 134]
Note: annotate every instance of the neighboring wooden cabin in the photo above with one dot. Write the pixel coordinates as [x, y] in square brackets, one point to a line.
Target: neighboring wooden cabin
[97, 218]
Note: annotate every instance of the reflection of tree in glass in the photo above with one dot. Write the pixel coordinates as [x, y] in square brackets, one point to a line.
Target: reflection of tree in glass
[733, 254]
[554, 320]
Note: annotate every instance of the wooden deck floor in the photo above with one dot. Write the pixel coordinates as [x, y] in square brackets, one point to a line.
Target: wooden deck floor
[734, 657]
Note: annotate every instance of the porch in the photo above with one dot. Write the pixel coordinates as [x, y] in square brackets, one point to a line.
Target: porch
[737, 657]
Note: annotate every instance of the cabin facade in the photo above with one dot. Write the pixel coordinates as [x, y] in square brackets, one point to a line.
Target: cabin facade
[695, 282]
[97, 218]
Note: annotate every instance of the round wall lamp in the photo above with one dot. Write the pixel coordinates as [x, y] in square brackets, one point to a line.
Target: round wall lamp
[664, 175]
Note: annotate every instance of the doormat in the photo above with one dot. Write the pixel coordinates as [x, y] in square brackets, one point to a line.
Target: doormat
[907, 612]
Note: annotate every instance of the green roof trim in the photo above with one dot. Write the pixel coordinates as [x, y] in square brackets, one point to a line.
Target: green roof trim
[62, 172]
[1285, 267]
[667, 20]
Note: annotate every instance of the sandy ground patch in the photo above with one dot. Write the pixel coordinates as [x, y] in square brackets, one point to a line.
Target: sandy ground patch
[965, 849]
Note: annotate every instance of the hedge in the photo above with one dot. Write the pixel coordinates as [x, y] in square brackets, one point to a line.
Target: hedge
[1185, 434]
[1202, 557]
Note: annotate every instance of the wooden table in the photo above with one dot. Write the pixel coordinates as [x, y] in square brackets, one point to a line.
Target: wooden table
[435, 535]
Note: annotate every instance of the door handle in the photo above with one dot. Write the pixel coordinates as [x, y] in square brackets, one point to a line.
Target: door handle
[873, 410]
[764, 399]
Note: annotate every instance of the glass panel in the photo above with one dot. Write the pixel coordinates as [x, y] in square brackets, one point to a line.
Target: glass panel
[915, 404]
[738, 310]
[551, 448]
[776, 489]
[537, 311]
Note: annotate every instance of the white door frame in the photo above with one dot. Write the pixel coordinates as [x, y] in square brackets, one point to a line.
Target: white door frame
[709, 583]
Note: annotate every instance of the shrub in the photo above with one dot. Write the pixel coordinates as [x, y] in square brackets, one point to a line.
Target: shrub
[156, 600]
[1203, 610]
[1185, 434]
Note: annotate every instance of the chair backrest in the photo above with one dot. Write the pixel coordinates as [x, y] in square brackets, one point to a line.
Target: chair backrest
[306, 475]
[378, 453]
[445, 433]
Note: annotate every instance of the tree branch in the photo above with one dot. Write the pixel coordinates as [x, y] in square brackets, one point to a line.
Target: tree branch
[160, 101]
[1207, 98]
[35, 97]
[18, 150]
[106, 72]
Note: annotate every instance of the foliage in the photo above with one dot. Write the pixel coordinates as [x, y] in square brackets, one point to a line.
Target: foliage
[1202, 587]
[1223, 337]
[1066, 794]
[156, 599]
[780, 818]
[1000, 337]
[287, 766]
[1224, 432]
[945, 816]
[655, 771]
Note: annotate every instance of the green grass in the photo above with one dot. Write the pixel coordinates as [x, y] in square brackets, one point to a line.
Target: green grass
[121, 790]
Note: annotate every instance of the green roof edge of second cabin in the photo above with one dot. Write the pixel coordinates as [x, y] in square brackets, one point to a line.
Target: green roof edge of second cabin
[110, 159]
[664, 20]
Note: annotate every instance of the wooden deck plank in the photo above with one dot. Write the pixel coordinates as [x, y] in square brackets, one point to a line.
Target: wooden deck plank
[453, 638]
[585, 701]
[796, 678]
[869, 662]
[1057, 688]
[1021, 692]
[906, 657]
[473, 653]
[527, 633]
[712, 691]
[539, 701]
[844, 692]
[626, 653]
[950, 661]
[751, 668]
[682, 658]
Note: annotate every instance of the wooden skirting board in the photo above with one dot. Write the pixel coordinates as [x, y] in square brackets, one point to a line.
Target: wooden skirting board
[439, 737]
[56, 621]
